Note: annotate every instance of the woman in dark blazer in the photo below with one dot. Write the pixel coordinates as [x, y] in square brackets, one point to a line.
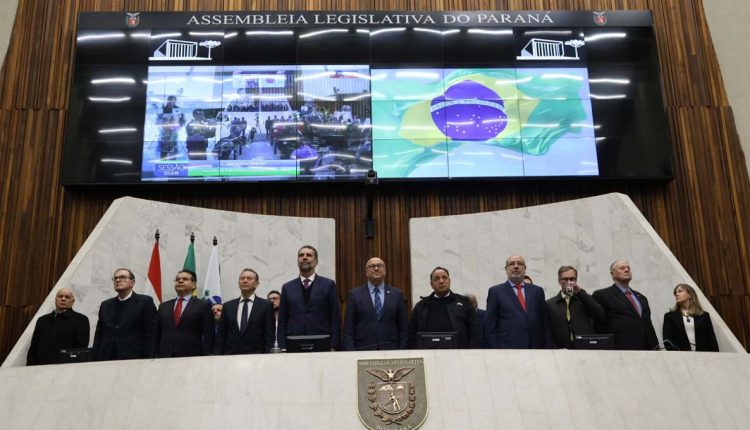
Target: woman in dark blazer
[687, 327]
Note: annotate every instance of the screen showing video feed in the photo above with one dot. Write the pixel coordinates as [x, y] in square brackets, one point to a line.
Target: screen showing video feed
[257, 123]
[482, 122]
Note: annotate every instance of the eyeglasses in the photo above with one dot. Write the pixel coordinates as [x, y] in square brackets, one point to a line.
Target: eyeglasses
[376, 266]
[120, 278]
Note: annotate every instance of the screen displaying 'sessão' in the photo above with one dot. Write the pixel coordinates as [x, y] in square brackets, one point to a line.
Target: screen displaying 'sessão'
[321, 122]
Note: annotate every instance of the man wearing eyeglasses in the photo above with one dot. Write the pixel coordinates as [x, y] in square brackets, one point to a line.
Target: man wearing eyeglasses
[572, 311]
[126, 322]
[184, 325]
[517, 315]
[375, 316]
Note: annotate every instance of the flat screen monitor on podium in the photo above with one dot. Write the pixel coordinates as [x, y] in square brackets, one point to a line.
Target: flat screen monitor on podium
[75, 355]
[437, 340]
[594, 341]
[309, 343]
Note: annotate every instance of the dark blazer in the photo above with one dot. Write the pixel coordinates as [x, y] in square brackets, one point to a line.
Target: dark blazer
[674, 331]
[52, 333]
[194, 335]
[508, 326]
[482, 318]
[363, 330]
[131, 337]
[583, 311]
[461, 313]
[258, 336]
[321, 315]
[632, 332]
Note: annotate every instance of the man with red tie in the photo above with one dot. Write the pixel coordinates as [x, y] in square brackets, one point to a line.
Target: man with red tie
[517, 315]
[626, 312]
[309, 303]
[185, 325]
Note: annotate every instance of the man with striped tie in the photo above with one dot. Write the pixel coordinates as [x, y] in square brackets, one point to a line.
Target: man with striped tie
[627, 314]
[375, 316]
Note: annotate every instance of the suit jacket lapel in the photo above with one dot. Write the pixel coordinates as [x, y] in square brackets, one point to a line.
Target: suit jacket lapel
[231, 313]
[365, 294]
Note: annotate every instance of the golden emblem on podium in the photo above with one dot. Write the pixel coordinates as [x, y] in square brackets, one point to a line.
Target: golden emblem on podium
[391, 393]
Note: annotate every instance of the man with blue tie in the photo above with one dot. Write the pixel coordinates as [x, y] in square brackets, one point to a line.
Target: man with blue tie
[626, 312]
[246, 325]
[309, 303]
[517, 315]
[375, 316]
[184, 326]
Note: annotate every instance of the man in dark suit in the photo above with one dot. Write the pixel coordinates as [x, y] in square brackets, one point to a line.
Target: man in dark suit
[626, 312]
[309, 303]
[60, 329]
[375, 313]
[184, 326]
[126, 322]
[517, 316]
[573, 310]
[481, 317]
[246, 325]
[445, 311]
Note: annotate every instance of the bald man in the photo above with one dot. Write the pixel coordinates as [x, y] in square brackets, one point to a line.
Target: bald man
[375, 316]
[627, 314]
[63, 328]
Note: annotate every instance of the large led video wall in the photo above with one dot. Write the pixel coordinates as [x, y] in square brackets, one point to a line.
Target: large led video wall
[563, 95]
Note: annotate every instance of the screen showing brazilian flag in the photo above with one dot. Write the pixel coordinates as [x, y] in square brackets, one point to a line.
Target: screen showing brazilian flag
[482, 122]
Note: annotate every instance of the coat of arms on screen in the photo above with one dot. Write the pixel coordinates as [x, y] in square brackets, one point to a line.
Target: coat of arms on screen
[600, 18]
[132, 19]
[391, 393]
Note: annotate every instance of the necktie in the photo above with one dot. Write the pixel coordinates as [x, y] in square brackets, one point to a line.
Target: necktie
[243, 318]
[629, 295]
[520, 297]
[378, 304]
[178, 311]
[306, 283]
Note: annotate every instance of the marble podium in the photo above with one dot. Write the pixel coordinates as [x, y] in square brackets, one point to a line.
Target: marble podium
[124, 237]
[588, 234]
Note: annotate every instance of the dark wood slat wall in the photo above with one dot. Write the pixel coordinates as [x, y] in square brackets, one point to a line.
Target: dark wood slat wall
[703, 215]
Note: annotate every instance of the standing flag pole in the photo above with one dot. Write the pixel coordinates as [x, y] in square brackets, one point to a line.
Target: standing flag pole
[189, 263]
[154, 269]
[212, 280]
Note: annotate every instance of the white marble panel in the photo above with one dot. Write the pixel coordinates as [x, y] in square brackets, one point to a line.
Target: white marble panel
[124, 237]
[587, 233]
[471, 389]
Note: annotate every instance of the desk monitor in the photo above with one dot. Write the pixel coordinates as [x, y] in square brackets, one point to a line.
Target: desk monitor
[437, 340]
[309, 343]
[75, 355]
[594, 341]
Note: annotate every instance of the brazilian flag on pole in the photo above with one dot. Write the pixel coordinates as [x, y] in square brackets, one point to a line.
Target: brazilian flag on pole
[189, 263]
